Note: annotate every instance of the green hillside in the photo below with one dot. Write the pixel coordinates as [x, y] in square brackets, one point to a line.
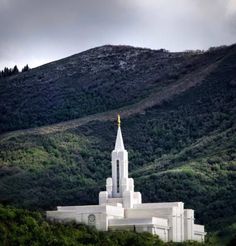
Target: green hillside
[178, 121]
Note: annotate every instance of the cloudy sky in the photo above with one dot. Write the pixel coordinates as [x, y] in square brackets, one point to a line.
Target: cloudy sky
[39, 31]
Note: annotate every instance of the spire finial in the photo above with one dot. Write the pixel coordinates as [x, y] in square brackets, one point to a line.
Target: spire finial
[118, 120]
[119, 146]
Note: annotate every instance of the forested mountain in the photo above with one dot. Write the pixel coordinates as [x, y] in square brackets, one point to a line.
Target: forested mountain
[178, 110]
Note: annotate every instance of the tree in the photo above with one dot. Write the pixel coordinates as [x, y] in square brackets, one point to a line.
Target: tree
[15, 70]
[6, 72]
[25, 68]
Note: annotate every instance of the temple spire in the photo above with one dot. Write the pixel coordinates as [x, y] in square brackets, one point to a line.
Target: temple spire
[119, 139]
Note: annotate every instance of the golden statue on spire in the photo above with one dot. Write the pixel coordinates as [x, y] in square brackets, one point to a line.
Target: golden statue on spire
[118, 120]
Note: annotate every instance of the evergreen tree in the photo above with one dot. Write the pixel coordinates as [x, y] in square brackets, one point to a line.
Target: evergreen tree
[15, 70]
[11, 71]
[6, 72]
[25, 68]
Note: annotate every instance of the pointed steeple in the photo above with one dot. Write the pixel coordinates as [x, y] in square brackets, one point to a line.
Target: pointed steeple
[119, 139]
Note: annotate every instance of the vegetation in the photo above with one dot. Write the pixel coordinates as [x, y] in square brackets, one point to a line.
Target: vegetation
[6, 72]
[25, 68]
[9, 71]
[182, 149]
[21, 227]
[89, 83]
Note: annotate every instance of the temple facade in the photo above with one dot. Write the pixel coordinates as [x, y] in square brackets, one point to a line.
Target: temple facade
[121, 208]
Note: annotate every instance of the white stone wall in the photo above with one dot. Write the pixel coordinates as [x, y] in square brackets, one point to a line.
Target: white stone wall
[80, 214]
[174, 212]
[188, 224]
[153, 225]
[199, 233]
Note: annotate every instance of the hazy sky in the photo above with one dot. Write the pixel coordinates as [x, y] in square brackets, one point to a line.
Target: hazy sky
[39, 31]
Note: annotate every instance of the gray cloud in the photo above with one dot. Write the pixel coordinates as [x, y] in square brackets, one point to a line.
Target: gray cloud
[36, 32]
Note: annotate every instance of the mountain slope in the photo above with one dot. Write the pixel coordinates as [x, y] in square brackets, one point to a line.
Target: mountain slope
[90, 82]
[179, 131]
[155, 98]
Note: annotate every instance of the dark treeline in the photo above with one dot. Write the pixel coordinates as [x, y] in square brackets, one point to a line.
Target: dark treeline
[6, 72]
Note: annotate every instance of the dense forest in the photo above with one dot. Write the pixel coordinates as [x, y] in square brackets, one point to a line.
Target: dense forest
[178, 121]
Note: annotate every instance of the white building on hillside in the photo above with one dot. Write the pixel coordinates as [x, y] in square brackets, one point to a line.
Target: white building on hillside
[121, 208]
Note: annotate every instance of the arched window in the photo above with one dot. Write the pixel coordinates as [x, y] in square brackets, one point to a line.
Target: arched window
[117, 176]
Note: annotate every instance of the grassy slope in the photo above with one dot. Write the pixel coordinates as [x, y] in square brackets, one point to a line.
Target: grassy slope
[183, 149]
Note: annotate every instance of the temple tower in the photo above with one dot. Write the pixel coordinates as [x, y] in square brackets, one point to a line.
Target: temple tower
[120, 186]
[119, 164]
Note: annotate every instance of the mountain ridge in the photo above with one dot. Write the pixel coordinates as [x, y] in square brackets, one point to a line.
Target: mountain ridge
[82, 84]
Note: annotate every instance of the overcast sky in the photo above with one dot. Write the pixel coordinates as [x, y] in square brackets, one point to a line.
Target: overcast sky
[39, 31]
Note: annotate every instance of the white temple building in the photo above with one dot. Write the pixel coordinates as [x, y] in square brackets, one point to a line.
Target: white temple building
[121, 208]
